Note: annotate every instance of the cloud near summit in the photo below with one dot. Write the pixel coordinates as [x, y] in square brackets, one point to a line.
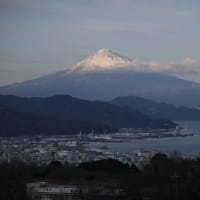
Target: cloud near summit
[188, 65]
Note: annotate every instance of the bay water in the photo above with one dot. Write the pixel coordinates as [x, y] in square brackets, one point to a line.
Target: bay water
[189, 145]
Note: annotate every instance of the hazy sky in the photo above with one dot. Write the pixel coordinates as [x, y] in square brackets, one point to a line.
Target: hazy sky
[41, 36]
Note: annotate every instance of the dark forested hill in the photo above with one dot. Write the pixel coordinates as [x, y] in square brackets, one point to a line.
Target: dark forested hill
[14, 123]
[157, 110]
[58, 112]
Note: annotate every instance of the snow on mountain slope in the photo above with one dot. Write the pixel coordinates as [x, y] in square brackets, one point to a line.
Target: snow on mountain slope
[102, 60]
[106, 59]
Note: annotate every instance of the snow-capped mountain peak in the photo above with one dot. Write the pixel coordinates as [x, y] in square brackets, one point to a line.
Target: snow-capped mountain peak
[101, 60]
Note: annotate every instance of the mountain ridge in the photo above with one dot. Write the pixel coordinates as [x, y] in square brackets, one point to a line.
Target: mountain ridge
[157, 109]
[108, 83]
[17, 123]
[65, 109]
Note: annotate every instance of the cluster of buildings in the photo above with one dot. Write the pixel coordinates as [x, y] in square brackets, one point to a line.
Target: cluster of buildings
[51, 191]
[47, 191]
[42, 150]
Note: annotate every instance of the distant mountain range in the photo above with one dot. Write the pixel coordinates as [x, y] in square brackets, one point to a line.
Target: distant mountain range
[63, 114]
[156, 109]
[106, 75]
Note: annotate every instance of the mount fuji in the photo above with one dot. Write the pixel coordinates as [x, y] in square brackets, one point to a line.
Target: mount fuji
[105, 75]
[104, 59]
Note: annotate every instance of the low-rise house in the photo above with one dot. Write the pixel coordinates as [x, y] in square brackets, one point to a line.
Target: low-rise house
[46, 191]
